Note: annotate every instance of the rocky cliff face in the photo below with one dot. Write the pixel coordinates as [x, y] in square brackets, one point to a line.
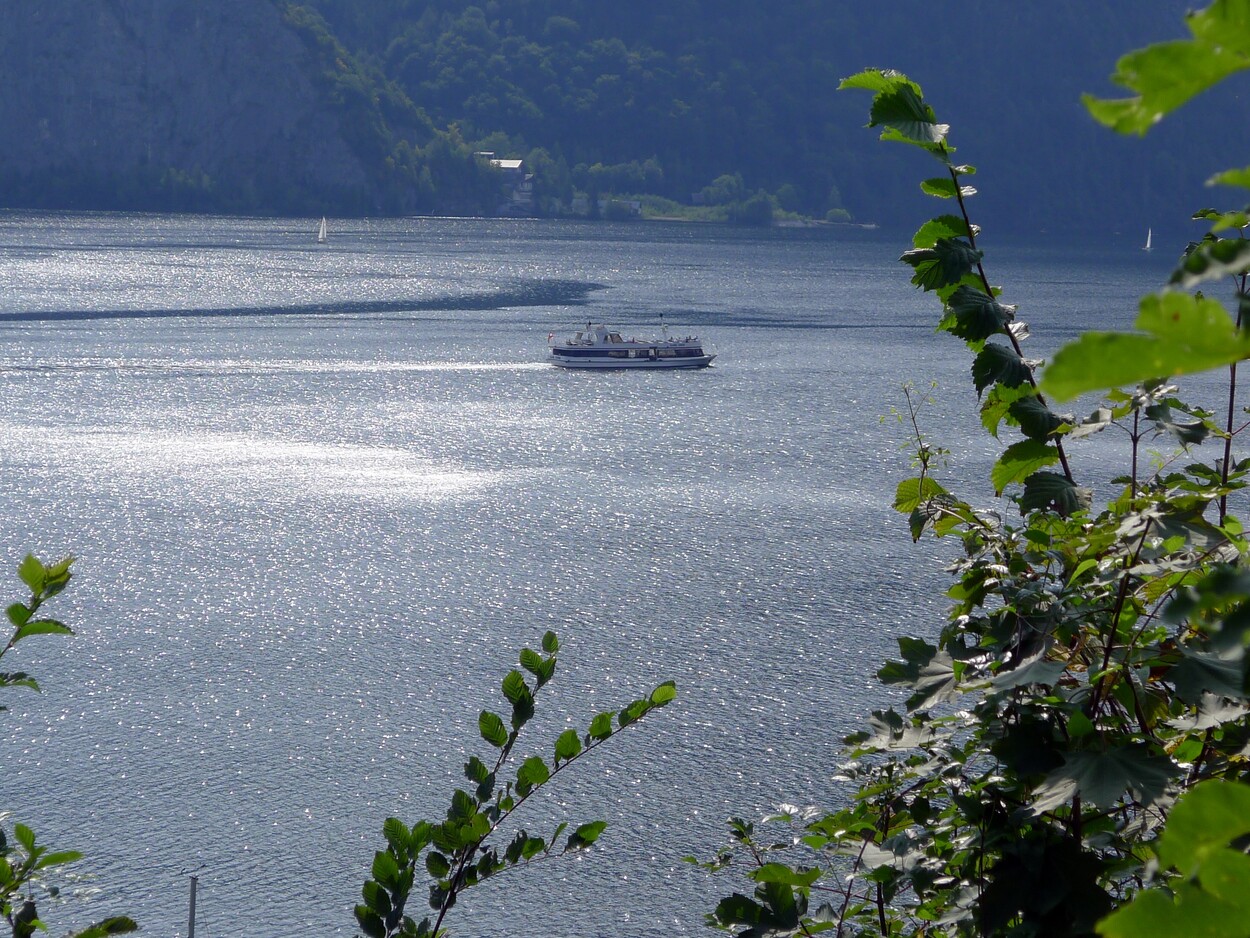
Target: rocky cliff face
[101, 97]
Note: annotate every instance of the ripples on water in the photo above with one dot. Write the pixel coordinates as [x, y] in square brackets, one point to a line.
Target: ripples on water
[321, 496]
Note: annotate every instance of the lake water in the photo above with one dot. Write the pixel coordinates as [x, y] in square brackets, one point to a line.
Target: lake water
[322, 495]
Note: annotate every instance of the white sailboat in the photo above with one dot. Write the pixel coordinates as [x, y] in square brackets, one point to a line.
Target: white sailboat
[1147, 245]
[321, 232]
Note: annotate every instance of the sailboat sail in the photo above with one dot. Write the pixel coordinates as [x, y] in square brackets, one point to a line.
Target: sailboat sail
[321, 233]
[1148, 234]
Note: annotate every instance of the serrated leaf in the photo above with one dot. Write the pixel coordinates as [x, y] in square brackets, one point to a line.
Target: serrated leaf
[531, 660]
[1035, 419]
[385, 870]
[942, 227]
[997, 404]
[551, 644]
[397, 834]
[1049, 491]
[977, 315]
[911, 493]
[898, 106]
[999, 364]
[117, 925]
[568, 746]
[945, 264]
[943, 187]
[437, 865]
[514, 687]
[1103, 777]
[601, 726]
[33, 573]
[41, 627]
[475, 770]
[632, 712]
[663, 694]
[533, 772]
[1020, 460]
[491, 726]
[585, 835]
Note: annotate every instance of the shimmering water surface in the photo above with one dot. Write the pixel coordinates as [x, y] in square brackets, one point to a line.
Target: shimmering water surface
[321, 496]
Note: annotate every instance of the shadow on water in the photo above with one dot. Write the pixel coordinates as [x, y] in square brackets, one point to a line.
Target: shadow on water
[530, 293]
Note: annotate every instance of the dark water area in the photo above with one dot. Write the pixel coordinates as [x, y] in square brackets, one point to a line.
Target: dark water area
[320, 497]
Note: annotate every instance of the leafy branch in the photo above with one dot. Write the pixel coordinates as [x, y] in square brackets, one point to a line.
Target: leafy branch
[456, 852]
[23, 861]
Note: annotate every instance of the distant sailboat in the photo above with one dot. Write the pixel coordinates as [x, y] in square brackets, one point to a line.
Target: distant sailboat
[321, 233]
[1147, 245]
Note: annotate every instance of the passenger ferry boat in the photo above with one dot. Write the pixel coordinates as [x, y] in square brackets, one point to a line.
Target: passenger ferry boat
[600, 347]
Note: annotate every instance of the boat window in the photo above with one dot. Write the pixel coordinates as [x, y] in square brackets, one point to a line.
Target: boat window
[614, 337]
[618, 353]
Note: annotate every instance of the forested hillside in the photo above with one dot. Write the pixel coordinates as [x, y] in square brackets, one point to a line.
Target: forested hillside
[378, 107]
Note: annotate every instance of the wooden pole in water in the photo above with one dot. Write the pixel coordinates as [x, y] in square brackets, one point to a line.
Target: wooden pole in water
[191, 914]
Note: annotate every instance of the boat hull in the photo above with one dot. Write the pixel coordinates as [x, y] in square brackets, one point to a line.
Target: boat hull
[619, 364]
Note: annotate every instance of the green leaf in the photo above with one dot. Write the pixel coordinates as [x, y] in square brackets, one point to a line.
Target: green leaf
[58, 859]
[397, 834]
[585, 835]
[945, 264]
[18, 614]
[1233, 177]
[941, 228]
[601, 726]
[738, 910]
[977, 315]
[1049, 491]
[785, 875]
[898, 106]
[1199, 673]
[41, 627]
[1035, 419]
[533, 772]
[33, 573]
[1168, 74]
[926, 670]
[1021, 460]
[515, 688]
[385, 870]
[531, 660]
[663, 694]
[437, 865]
[632, 712]
[1103, 778]
[943, 187]
[1035, 670]
[117, 925]
[911, 493]
[1183, 334]
[475, 770]
[551, 644]
[1207, 817]
[999, 364]
[998, 403]
[491, 726]
[1212, 260]
[24, 836]
[568, 746]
